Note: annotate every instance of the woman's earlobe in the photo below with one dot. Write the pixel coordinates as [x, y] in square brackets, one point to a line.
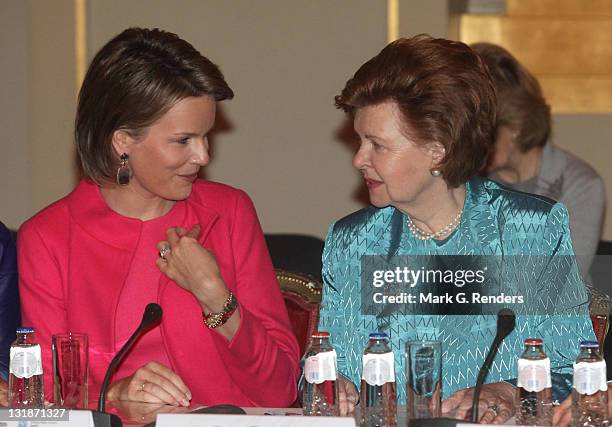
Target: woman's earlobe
[122, 141]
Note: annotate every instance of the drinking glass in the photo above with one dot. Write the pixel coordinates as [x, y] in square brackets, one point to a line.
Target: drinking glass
[423, 379]
[70, 374]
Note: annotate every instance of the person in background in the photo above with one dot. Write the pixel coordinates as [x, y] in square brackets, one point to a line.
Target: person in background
[142, 227]
[525, 159]
[424, 110]
[9, 305]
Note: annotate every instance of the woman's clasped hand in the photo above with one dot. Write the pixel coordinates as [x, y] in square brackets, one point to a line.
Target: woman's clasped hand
[193, 267]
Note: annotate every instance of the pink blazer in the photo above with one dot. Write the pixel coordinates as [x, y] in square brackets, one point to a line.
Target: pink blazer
[73, 260]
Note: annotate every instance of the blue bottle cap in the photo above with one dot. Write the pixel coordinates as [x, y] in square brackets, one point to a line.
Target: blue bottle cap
[25, 330]
[378, 335]
[589, 344]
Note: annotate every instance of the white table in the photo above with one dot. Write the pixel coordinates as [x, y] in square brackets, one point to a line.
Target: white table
[140, 414]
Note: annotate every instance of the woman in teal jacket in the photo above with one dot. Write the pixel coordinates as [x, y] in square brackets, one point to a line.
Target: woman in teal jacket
[424, 111]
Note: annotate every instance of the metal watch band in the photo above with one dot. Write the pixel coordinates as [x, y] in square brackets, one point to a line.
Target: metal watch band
[214, 320]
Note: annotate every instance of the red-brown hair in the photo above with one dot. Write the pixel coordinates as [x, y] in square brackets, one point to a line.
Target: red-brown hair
[444, 93]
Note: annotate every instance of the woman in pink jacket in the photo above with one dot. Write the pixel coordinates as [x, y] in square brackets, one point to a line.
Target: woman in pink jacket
[141, 227]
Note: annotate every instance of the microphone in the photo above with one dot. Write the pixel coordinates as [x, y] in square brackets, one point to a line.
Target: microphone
[506, 321]
[152, 315]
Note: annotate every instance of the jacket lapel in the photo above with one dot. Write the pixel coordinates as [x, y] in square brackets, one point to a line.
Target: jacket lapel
[481, 208]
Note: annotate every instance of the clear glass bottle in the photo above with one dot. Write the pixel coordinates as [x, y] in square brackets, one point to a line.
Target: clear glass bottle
[378, 397]
[320, 391]
[534, 386]
[590, 390]
[25, 371]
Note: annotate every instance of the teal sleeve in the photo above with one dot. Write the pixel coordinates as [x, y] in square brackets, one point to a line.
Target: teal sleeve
[332, 308]
[570, 322]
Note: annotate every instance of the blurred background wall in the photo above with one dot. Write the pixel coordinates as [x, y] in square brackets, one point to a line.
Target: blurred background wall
[282, 140]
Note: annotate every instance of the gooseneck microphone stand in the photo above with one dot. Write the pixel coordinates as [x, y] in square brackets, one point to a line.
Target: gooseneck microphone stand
[151, 316]
[506, 320]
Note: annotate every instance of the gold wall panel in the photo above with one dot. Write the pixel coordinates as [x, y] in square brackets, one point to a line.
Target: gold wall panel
[548, 46]
[392, 20]
[572, 57]
[549, 8]
[578, 95]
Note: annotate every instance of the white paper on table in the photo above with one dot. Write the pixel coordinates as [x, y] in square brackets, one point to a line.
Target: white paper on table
[80, 418]
[216, 420]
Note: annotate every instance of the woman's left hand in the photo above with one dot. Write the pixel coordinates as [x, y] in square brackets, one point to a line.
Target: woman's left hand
[495, 406]
[193, 267]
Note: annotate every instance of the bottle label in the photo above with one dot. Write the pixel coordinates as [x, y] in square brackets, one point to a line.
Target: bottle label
[534, 375]
[590, 377]
[378, 369]
[26, 361]
[321, 367]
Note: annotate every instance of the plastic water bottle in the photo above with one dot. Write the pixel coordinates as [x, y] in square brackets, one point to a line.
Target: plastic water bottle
[25, 371]
[590, 390]
[534, 385]
[320, 391]
[378, 398]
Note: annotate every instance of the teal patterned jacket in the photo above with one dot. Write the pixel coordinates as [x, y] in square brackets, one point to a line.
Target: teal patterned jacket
[496, 221]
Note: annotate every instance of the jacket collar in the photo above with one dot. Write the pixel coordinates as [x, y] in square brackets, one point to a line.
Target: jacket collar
[479, 227]
[482, 200]
[89, 210]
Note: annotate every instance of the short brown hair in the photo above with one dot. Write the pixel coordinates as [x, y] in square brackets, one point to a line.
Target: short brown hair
[444, 93]
[520, 103]
[132, 81]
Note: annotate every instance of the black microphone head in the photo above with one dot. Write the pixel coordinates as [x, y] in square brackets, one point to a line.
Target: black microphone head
[153, 312]
[506, 321]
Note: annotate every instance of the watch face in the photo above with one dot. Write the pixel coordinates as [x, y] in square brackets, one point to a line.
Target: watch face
[214, 320]
[232, 304]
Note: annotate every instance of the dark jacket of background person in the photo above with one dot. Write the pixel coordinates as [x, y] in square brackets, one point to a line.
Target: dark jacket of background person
[9, 297]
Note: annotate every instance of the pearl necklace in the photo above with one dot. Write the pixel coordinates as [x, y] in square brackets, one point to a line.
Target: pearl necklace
[426, 235]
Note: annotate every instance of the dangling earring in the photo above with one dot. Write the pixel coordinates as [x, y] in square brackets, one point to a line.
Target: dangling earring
[124, 172]
[435, 172]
